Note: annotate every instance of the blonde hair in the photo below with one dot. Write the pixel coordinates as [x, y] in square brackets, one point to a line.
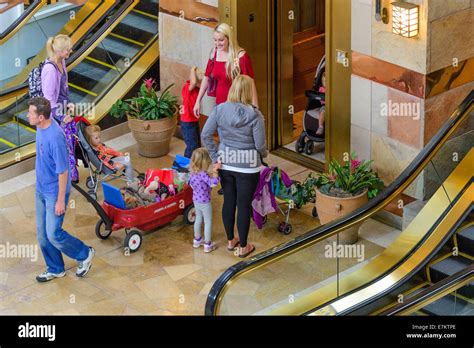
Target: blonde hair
[58, 43]
[232, 66]
[241, 90]
[199, 74]
[200, 160]
[91, 130]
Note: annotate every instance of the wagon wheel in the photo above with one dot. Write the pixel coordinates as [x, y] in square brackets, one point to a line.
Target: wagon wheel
[101, 230]
[90, 183]
[190, 214]
[92, 194]
[133, 241]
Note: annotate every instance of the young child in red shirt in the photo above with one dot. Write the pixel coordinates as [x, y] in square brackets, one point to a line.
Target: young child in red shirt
[188, 121]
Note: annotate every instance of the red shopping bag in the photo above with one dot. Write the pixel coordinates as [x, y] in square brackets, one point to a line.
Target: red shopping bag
[165, 176]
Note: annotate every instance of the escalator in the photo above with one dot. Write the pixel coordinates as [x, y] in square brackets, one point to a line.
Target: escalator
[30, 8]
[306, 277]
[107, 65]
[78, 24]
[456, 256]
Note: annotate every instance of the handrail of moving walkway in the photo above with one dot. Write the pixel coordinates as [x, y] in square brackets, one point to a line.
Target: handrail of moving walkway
[379, 202]
[82, 51]
[20, 21]
[433, 292]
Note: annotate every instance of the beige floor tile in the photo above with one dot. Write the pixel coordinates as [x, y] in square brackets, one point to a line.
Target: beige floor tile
[178, 272]
[159, 287]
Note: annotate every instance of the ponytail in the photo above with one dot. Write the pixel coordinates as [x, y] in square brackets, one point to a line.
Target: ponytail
[57, 43]
[49, 47]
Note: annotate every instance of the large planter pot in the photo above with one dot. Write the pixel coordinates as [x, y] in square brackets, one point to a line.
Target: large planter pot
[153, 137]
[331, 208]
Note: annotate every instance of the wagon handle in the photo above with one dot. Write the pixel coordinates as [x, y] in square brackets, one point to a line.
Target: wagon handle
[103, 215]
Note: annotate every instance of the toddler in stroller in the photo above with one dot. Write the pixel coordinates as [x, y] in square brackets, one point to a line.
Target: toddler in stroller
[313, 118]
[100, 159]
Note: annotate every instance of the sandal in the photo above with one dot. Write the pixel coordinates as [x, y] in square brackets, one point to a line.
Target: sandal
[248, 253]
[235, 246]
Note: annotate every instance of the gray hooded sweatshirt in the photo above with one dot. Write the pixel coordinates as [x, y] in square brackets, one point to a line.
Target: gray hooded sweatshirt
[241, 130]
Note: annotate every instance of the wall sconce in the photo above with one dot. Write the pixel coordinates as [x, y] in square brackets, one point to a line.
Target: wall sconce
[405, 19]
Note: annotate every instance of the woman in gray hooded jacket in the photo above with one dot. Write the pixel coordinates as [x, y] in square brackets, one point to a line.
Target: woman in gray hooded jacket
[241, 130]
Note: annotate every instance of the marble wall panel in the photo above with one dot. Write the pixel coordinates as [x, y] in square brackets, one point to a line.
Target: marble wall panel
[442, 8]
[360, 102]
[451, 37]
[361, 32]
[405, 118]
[439, 108]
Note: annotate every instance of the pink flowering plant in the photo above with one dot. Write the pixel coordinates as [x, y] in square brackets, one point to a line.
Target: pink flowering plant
[350, 179]
[148, 105]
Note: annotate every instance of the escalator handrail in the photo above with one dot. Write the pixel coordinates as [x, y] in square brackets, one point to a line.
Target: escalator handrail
[322, 232]
[77, 54]
[20, 21]
[447, 285]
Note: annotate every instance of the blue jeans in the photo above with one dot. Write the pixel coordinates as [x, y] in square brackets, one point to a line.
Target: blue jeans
[190, 132]
[52, 239]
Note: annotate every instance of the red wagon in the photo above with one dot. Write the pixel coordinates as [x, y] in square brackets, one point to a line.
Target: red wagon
[142, 219]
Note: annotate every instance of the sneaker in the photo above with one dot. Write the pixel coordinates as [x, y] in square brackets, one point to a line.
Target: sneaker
[47, 276]
[198, 243]
[209, 247]
[84, 266]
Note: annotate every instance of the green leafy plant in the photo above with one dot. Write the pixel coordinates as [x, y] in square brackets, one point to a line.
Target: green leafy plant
[350, 178]
[148, 105]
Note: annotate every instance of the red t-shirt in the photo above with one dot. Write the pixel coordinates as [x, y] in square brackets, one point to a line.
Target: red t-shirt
[189, 99]
[223, 82]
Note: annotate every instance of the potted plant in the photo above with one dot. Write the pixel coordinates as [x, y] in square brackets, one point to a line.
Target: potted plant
[151, 118]
[343, 189]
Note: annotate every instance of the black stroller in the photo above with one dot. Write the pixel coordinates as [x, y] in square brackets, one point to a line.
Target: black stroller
[308, 137]
[98, 172]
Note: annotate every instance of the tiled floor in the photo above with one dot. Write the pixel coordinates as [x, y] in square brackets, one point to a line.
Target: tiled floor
[166, 276]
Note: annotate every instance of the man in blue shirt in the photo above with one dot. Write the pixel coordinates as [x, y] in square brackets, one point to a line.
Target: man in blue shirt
[53, 186]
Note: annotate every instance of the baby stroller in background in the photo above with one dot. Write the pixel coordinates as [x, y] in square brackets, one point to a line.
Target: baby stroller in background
[308, 137]
[95, 165]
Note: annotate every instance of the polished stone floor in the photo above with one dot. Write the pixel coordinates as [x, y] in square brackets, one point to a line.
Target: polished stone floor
[166, 276]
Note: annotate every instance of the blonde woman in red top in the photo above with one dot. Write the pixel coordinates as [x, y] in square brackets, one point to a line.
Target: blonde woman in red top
[227, 61]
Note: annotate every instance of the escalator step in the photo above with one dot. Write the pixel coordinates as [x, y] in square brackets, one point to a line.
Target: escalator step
[141, 22]
[15, 134]
[92, 76]
[448, 267]
[137, 28]
[108, 57]
[466, 240]
[76, 96]
[449, 305]
[120, 47]
[150, 7]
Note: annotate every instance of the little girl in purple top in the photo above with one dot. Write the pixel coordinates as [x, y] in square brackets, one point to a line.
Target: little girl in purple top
[202, 185]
